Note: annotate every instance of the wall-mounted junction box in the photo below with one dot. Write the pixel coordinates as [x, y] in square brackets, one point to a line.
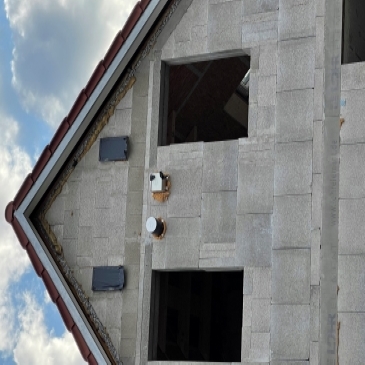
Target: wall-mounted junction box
[158, 182]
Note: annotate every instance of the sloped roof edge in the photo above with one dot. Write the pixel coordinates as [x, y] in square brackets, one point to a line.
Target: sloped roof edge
[55, 154]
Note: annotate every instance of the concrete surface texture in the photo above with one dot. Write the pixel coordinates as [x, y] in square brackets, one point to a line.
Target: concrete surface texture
[252, 204]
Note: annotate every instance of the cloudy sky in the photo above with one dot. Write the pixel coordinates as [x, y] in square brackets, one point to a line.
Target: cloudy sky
[48, 50]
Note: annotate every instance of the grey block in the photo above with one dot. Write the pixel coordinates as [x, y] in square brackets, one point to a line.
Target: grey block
[123, 118]
[134, 202]
[289, 362]
[69, 247]
[120, 179]
[159, 255]
[255, 186]
[135, 179]
[352, 171]
[55, 214]
[268, 59]
[99, 304]
[113, 313]
[84, 242]
[353, 76]
[101, 223]
[131, 275]
[102, 196]
[118, 209]
[293, 168]
[253, 240]
[320, 6]
[139, 118]
[246, 343]
[128, 347]
[259, 6]
[219, 217]
[294, 116]
[247, 311]
[315, 294]
[314, 353]
[297, 21]
[91, 159]
[318, 94]
[185, 198]
[292, 221]
[130, 300]
[133, 226]
[260, 347]
[315, 256]
[71, 225]
[317, 201]
[267, 91]
[220, 166]
[351, 226]
[214, 263]
[182, 253]
[291, 276]
[255, 57]
[317, 147]
[87, 212]
[261, 282]
[223, 35]
[128, 328]
[290, 332]
[258, 33]
[72, 200]
[260, 321]
[100, 251]
[296, 63]
[183, 227]
[247, 281]
[132, 253]
[320, 42]
[137, 154]
[352, 333]
[126, 102]
[351, 281]
[252, 119]
[353, 112]
[266, 120]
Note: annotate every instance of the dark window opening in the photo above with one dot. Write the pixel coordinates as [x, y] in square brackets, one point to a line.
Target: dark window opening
[353, 31]
[204, 101]
[196, 316]
[106, 278]
[113, 149]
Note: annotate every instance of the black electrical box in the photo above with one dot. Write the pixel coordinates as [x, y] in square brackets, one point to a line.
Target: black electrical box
[106, 278]
[113, 149]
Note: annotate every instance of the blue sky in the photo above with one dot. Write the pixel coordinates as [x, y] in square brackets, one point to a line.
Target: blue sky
[48, 50]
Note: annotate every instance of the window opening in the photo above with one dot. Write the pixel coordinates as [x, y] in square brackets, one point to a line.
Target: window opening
[196, 316]
[205, 101]
[353, 31]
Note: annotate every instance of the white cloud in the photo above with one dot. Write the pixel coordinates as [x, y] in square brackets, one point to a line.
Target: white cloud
[37, 346]
[57, 44]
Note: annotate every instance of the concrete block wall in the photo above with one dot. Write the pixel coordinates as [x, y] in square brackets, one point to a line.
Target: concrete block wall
[272, 187]
[351, 257]
[97, 218]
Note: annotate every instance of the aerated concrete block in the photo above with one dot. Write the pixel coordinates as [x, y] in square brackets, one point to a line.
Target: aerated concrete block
[352, 173]
[351, 338]
[314, 353]
[291, 276]
[318, 94]
[292, 221]
[255, 187]
[317, 147]
[260, 347]
[71, 225]
[72, 200]
[259, 32]
[268, 59]
[296, 63]
[290, 332]
[294, 116]
[185, 198]
[315, 294]
[259, 6]
[317, 201]
[351, 226]
[293, 168]
[261, 282]
[260, 321]
[266, 120]
[353, 112]
[182, 253]
[253, 240]
[56, 213]
[297, 21]
[184, 227]
[320, 42]
[353, 76]
[220, 166]
[223, 35]
[351, 281]
[315, 256]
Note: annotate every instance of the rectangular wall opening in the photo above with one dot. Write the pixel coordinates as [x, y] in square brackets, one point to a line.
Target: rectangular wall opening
[353, 31]
[204, 101]
[196, 316]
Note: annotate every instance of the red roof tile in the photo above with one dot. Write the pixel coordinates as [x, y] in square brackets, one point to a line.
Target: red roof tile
[144, 4]
[113, 49]
[41, 163]
[58, 137]
[22, 237]
[132, 20]
[52, 291]
[9, 212]
[95, 78]
[23, 191]
[84, 349]
[77, 107]
[37, 264]
[65, 314]
[91, 359]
